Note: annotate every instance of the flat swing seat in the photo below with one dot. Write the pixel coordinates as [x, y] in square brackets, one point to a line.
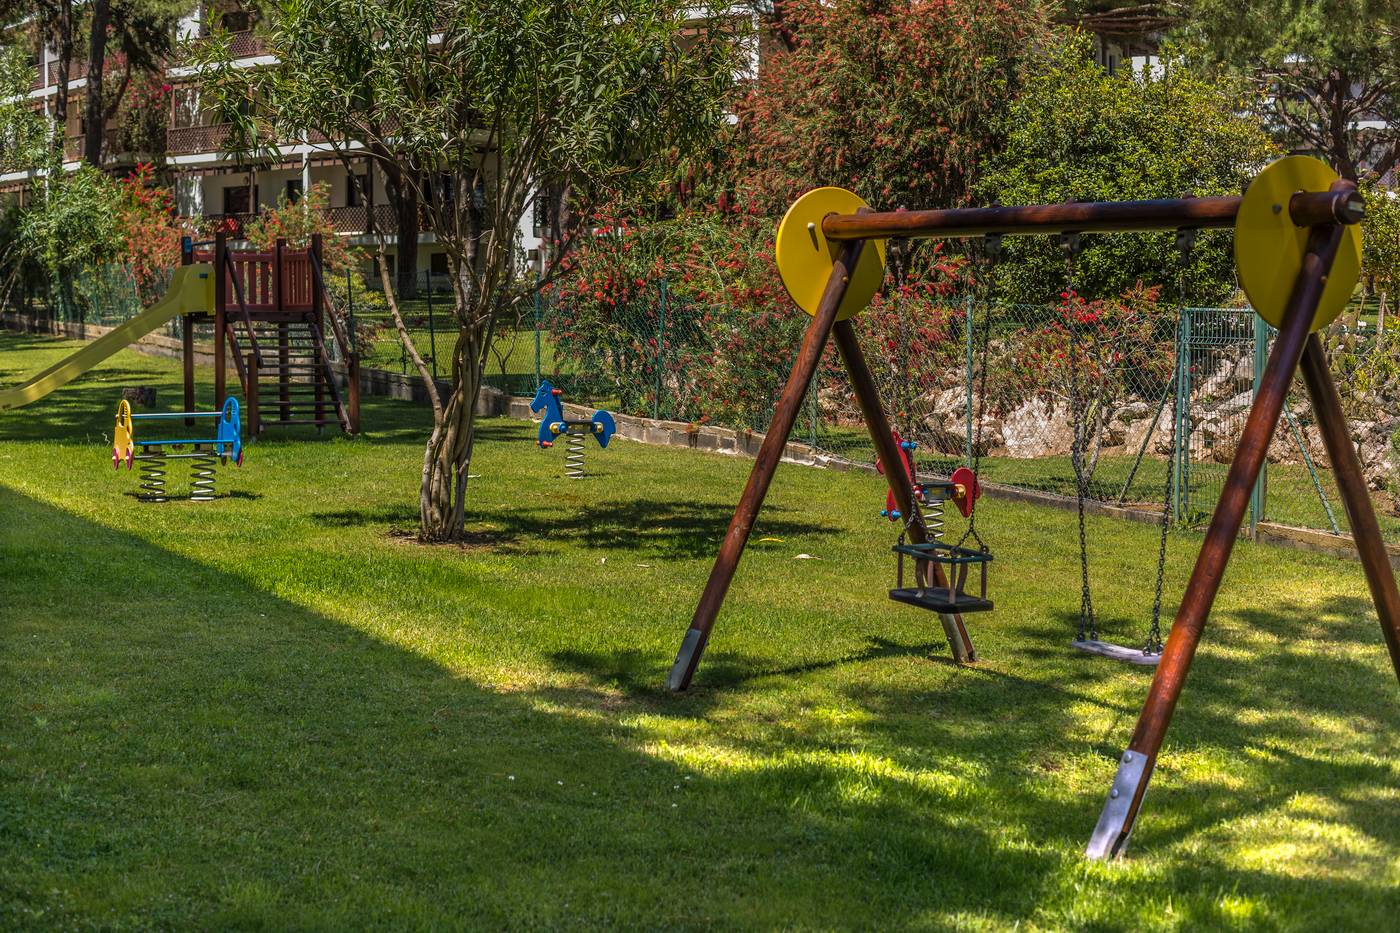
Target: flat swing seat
[1116, 652]
[940, 600]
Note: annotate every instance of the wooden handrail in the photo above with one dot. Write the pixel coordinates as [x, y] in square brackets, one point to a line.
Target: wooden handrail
[242, 306]
[341, 337]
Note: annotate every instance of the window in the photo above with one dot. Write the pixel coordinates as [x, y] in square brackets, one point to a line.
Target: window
[238, 200]
[437, 263]
[292, 190]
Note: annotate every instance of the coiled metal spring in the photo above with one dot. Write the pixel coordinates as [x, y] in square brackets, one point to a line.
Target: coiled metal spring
[152, 466]
[202, 472]
[933, 516]
[573, 457]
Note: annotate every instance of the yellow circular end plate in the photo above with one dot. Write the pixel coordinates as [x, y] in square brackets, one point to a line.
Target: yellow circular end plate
[805, 257]
[1269, 247]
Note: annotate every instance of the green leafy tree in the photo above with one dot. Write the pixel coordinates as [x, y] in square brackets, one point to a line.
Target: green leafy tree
[1079, 133]
[126, 38]
[479, 106]
[1328, 71]
[900, 102]
[74, 225]
[1380, 239]
[23, 129]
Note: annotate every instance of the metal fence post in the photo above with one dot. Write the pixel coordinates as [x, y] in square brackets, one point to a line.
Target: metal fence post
[539, 326]
[660, 351]
[350, 311]
[1258, 495]
[1181, 484]
[432, 329]
[967, 346]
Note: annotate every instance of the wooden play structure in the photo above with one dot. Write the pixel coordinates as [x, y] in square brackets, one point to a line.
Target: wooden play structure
[271, 317]
[1297, 252]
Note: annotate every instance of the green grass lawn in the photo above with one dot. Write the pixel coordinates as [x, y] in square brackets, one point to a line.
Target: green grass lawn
[512, 363]
[277, 711]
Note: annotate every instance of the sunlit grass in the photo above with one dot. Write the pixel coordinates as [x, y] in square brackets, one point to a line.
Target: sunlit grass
[274, 710]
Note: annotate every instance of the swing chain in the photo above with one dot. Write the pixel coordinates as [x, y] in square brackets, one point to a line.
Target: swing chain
[1088, 624]
[991, 252]
[1185, 244]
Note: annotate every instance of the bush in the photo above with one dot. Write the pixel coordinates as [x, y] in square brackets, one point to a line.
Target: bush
[297, 222]
[1079, 133]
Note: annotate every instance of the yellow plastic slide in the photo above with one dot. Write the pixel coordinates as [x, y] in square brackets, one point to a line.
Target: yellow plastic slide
[191, 291]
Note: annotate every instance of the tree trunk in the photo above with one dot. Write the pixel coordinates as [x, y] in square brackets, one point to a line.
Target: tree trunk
[404, 201]
[65, 63]
[1337, 93]
[95, 111]
[406, 213]
[447, 459]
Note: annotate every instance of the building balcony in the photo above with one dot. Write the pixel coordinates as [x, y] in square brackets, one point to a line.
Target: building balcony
[47, 75]
[111, 145]
[352, 220]
[76, 70]
[345, 221]
[187, 140]
[241, 44]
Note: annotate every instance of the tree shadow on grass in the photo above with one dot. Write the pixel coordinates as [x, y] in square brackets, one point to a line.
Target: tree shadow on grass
[223, 757]
[660, 528]
[643, 675]
[202, 753]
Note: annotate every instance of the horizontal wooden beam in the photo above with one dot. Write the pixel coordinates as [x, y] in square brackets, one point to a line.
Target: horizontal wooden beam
[1306, 208]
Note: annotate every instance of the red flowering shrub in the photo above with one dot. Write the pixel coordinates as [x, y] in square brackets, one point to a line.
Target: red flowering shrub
[149, 230]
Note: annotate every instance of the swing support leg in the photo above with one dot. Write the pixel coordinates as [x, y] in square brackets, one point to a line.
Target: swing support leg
[868, 397]
[761, 476]
[1351, 481]
[1135, 767]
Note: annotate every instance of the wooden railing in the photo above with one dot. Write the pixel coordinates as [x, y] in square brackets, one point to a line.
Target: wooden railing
[357, 219]
[244, 44]
[48, 75]
[346, 221]
[184, 140]
[111, 145]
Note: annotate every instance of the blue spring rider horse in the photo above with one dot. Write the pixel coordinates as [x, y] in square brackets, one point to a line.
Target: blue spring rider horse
[553, 424]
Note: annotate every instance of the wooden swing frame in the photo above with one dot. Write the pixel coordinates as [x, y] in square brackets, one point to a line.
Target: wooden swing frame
[1326, 215]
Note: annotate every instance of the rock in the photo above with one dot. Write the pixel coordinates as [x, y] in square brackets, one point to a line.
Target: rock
[1115, 434]
[1036, 429]
[1235, 405]
[140, 396]
[1133, 411]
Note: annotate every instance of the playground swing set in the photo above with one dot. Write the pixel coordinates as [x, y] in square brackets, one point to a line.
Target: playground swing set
[1297, 251]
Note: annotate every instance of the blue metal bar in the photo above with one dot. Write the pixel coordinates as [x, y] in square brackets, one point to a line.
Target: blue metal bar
[174, 443]
[169, 416]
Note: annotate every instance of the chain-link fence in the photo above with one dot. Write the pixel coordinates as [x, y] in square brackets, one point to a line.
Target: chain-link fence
[1152, 398]
[105, 295]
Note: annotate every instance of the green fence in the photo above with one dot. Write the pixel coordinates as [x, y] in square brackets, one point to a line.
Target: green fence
[105, 295]
[1155, 394]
